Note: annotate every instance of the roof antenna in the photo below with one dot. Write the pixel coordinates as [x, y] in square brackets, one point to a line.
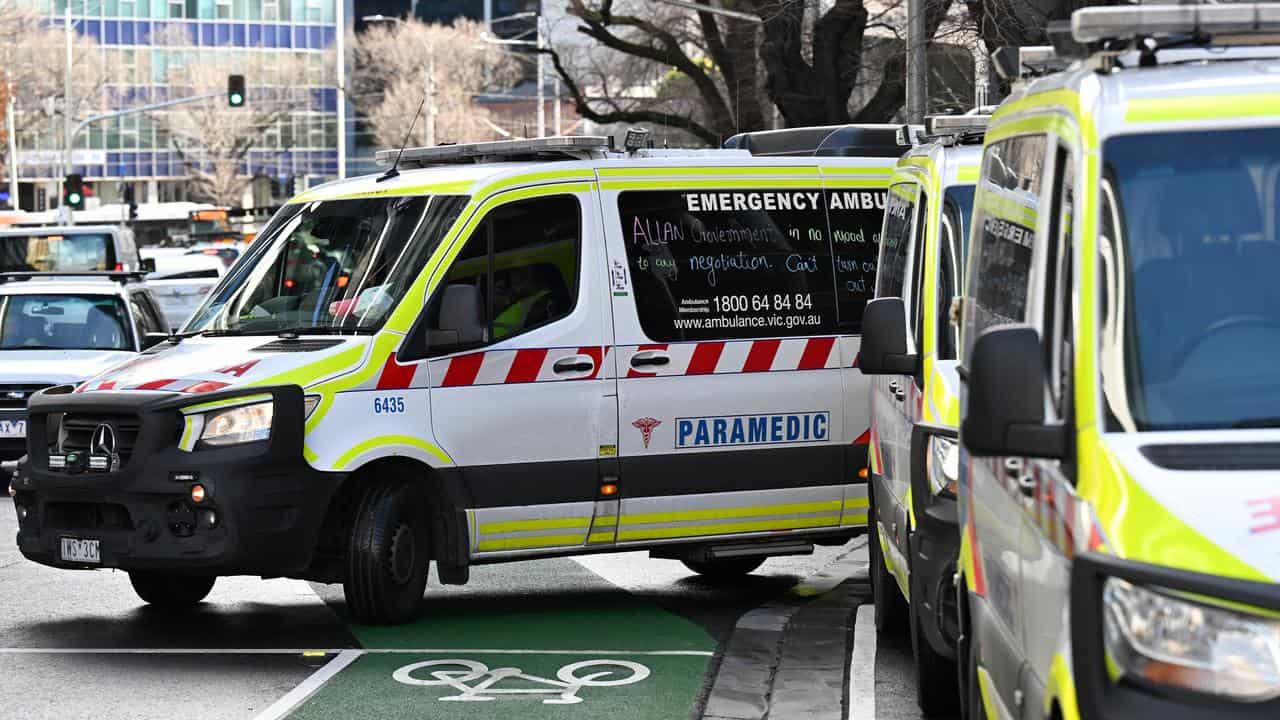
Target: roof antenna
[394, 170]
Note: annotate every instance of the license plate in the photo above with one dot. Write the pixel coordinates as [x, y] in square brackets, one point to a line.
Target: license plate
[80, 551]
[13, 428]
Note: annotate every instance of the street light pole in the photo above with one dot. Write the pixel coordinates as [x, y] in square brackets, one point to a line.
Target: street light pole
[431, 99]
[917, 63]
[340, 44]
[66, 112]
[542, 100]
[12, 132]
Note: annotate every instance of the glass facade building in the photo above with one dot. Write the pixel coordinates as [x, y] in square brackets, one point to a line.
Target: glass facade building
[143, 43]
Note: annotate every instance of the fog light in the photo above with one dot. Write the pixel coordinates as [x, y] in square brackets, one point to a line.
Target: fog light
[208, 519]
[197, 494]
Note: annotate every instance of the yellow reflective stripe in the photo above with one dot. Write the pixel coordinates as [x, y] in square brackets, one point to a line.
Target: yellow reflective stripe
[309, 455]
[1138, 527]
[890, 561]
[705, 171]
[311, 372]
[189, 435]
[1062, 688]
[854, 519]
[727, 528]
[226, 403]
[448, 187]
[857, 503]
[861, 183]
[526, 180]
[725, 513]
[967, 174]
[1202, 107]
[387, 441]
[909, 191]
[885, 169]
[537, 541]
[504, 526]
[1056, 125]
[601, 536]
[756, 183]
[987, 694]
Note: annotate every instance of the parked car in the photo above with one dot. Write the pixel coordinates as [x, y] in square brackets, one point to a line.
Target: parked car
[72, 248]
[181, 282]
[59, 329]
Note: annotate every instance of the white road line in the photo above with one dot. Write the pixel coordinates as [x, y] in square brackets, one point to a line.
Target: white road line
[335, 651]
[303, 692]
[862, 665]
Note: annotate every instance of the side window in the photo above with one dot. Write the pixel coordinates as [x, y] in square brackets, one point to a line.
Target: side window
[517, 271]
[1058, 274]
[895, 241]
[143, 319]
[951, 241]
[730, 264]
[1006, 210]
[917, 272]
[855, 218]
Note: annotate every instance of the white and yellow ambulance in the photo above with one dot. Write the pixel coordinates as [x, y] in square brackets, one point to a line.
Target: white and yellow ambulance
[909, 345]
[1120, 434]
[489, 352]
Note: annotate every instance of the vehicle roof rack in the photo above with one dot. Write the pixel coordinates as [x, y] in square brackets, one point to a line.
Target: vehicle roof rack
[964, 129]
[853, 140]
[121, 276]
[567, 147]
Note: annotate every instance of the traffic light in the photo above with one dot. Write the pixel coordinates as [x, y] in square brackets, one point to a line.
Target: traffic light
[73, 191]
[235, 90]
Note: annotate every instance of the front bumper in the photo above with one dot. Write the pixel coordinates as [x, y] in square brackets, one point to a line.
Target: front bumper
[267, 503]
[1097, 696]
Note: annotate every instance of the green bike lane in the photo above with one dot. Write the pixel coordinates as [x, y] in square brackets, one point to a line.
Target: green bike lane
[544, 639]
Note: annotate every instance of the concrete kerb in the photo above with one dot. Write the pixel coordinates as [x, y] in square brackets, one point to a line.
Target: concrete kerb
[789, 657]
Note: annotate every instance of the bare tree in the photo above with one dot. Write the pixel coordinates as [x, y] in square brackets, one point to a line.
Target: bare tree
[393, 65]
[214, 139]
[32, 66]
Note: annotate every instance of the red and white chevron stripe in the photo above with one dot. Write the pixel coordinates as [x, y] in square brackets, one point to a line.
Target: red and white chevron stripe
[505, 367]
[743, 356]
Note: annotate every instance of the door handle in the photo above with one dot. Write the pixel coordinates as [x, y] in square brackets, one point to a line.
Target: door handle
[574, 364]
[650, 358]
[896, 388]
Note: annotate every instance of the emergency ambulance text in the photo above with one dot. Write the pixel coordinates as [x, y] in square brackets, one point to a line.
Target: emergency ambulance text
[752, 429]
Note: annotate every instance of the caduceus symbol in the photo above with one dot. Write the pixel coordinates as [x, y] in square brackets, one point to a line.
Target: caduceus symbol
[646, 426]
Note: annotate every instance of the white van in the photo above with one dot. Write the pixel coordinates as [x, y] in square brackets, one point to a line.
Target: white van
[493, 352]
[69, 248]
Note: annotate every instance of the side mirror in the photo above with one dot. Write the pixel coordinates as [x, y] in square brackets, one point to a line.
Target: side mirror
[1005, 411]
[462, 318]
[152, 339]
[148, 265]
[884, 339]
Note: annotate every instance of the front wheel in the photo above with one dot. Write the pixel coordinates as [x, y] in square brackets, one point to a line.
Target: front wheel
[725, 568]
[388, 554]
[936, 689]
[170, 591]
[891, 608]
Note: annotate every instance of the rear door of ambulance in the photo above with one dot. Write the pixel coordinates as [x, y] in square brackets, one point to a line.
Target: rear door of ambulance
[731, 410]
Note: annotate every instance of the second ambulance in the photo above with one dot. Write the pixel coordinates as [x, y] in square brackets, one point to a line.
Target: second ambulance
[1120, 473]
[490, 352]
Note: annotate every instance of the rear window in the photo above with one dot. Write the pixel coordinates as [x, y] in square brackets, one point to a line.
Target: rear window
[65, 253]
[750, 263]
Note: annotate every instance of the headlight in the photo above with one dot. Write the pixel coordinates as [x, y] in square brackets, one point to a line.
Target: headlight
[238, 425]
[942, 462]
[1174, 642]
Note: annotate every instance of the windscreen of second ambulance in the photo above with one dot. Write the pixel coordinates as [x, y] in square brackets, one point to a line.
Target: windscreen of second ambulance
[1190, 298]
[72, 252]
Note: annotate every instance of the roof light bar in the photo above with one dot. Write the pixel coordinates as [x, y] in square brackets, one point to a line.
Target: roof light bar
[1127, 22]
[955, 124]
[575, 145]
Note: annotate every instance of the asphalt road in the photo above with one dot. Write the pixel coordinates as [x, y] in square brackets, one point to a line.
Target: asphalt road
[617, 636]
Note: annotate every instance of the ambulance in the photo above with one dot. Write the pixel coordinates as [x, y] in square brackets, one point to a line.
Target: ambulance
[1120, 404]
[488, 353]
[909, 348]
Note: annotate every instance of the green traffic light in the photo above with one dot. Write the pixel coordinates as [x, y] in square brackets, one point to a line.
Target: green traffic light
[236, 99]
[74, 198]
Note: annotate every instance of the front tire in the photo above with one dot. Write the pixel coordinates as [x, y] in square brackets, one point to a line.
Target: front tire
[388, 553]
[936, 687]
[725, 568]
[170, 591]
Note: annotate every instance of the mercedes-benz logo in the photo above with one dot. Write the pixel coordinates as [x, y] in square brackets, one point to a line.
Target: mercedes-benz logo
[104, 440]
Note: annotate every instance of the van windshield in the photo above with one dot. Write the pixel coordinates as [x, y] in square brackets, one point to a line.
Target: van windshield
[329, 267]
[74, 252]
[1190, 302]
